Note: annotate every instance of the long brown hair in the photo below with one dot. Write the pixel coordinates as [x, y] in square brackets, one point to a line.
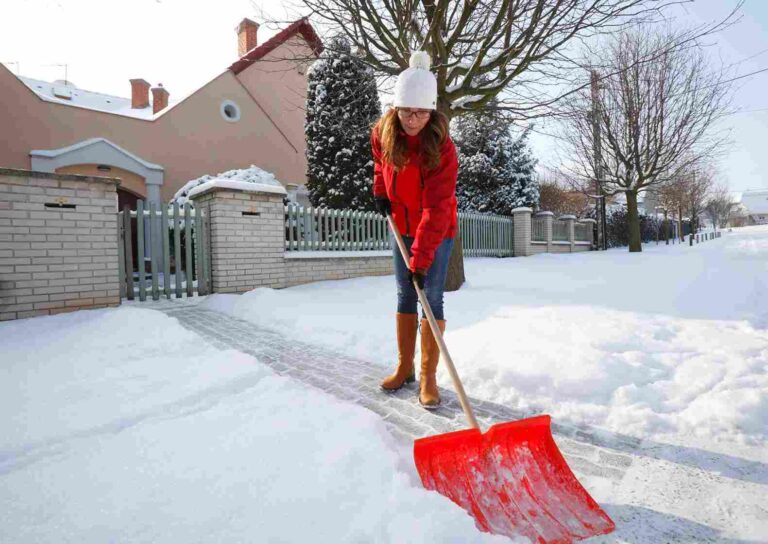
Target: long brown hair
[393, 144]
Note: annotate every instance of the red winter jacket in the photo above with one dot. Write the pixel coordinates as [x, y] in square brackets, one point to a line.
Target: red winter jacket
[423, 201]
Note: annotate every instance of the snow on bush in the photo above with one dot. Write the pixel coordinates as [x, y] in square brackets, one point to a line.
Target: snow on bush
[253, 174]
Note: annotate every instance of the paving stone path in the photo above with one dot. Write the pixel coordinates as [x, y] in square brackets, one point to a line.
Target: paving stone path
[357, 381]
[629, 465]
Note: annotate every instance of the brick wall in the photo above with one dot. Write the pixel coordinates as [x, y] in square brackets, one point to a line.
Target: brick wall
[58, 243]
[247, 239]
[248, 245]
[304, 267]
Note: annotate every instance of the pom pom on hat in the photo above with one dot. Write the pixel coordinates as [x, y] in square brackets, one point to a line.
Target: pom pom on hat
[416, 86]
[420, 59]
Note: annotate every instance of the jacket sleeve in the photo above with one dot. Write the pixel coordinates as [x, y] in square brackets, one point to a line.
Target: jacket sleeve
[379, 189]
[437, 198]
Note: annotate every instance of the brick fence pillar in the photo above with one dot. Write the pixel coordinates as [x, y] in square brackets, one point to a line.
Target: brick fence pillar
[522, 243]
[59, 243]
[570, 221]
[548, 218]
[247, 236]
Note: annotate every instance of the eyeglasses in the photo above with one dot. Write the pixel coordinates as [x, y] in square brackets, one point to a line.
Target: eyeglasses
[405, 113]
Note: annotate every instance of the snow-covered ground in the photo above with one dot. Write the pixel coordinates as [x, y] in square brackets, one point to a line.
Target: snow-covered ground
[121, 426]
[668, 344]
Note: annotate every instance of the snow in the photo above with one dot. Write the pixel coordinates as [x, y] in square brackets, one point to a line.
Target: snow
[591, 338]
[238, 185]
[89, 99]
[252, 178]
[126, 427]
[123, 426]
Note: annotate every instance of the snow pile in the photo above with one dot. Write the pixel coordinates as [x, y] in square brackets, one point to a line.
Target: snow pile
[669, 344]
[244, 179]
[122, 426]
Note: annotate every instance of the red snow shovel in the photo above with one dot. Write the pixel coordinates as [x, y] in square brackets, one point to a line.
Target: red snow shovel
[512, 479]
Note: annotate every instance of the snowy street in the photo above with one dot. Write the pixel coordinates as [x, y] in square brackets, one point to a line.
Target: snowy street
[257, 418]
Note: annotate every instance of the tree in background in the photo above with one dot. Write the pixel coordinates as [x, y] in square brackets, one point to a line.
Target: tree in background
[496, 170]
[342, 104]
[656, 112]
[479, 50]
[720, 205]
[617, 222]
[524, 184]
[698, 184]
[671, 196]
[557, 195]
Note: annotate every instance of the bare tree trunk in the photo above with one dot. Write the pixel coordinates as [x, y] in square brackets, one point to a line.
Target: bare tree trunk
[633, 219]
[455, 276]
[680, 223]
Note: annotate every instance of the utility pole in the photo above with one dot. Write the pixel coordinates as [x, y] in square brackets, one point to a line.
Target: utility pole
[602, 237]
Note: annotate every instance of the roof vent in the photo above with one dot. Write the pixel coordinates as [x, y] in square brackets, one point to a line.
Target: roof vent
[62, 92]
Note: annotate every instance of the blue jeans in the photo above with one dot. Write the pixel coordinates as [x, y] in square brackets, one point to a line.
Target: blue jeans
[434, 283]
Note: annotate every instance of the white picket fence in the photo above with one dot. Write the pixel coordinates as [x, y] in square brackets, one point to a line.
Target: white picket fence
[323, 229]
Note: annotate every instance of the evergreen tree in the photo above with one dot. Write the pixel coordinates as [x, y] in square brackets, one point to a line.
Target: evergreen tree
[496, 170]
[342, 104]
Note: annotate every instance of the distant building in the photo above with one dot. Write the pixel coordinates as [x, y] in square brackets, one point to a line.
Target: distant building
[753, 208]
[252, 113]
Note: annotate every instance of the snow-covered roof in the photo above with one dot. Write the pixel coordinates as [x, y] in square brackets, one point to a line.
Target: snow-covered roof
[65, 92]
[755, 201]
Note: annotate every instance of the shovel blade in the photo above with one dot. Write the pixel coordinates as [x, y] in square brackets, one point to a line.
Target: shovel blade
[513, 480]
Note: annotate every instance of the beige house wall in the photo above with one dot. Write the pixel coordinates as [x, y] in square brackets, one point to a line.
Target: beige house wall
[287, 108]
[189, 140]
[128, 180]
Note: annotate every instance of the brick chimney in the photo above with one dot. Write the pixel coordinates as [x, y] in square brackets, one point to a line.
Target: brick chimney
[139, 94]
[246, 36]
[159, 98]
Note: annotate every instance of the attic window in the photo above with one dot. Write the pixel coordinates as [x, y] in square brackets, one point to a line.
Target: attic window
[230, 111]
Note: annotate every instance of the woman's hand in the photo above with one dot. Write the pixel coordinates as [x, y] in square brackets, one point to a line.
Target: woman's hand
[383, 206]
[418, 276]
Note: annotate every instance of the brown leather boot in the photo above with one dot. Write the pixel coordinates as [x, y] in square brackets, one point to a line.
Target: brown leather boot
[429, 397]
[407, 325]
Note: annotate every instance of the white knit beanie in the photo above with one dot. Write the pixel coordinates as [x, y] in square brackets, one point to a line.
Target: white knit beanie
[416, 87]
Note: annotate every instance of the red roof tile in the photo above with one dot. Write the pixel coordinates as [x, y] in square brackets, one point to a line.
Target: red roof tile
[302, 26]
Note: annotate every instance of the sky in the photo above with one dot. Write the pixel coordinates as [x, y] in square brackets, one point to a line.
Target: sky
[183, 44]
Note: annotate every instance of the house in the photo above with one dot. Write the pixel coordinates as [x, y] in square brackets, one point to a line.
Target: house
[252, 113]
[753, 208]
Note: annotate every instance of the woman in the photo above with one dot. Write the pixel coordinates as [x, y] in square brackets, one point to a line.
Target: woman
[414, 179]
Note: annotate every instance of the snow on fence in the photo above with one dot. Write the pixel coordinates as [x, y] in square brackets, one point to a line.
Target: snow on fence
[324, 229]
[172, 242]
[560, 231]
[486, 235]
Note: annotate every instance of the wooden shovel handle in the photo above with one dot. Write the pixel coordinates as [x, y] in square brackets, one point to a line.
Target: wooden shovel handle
[436, 331]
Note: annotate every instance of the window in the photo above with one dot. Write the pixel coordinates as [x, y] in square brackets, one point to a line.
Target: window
[230, 111]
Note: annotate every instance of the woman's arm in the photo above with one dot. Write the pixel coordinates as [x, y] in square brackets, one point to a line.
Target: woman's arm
[437, 201]
[379, 188]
